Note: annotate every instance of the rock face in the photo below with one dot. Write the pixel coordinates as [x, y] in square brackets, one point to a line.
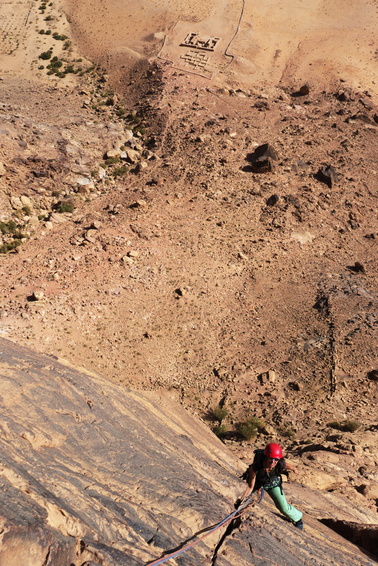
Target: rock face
[92, 473]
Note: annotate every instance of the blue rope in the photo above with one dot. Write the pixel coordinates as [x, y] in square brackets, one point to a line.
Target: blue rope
[217, 526]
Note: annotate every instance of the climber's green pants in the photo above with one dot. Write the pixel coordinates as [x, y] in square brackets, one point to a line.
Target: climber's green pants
[282, 505]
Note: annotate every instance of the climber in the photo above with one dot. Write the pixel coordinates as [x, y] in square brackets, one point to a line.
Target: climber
[265, 474]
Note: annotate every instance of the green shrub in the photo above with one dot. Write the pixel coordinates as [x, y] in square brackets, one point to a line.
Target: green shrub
[65, 206]
[220, 430]
[48, 32]
[41, 31]
[351, 426]
[119, 171]
[250, 428]
[287, 432]
[9, 227]
[344, 426]
[49, 19]
[59, 37]
[219, 413]
[9, 246]
[27, 210]
[140, 130]
[112, 160]
[45, 55]
[247, 430]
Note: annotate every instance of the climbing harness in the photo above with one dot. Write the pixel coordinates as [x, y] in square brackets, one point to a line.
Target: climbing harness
[234, 515]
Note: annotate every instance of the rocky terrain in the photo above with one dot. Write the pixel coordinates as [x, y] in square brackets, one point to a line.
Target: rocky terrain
[207, 236]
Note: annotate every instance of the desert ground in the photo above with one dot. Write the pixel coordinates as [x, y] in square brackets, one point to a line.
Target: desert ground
[265, 43]
[152, 252]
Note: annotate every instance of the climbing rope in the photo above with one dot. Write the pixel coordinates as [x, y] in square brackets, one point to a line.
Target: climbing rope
[234, 515]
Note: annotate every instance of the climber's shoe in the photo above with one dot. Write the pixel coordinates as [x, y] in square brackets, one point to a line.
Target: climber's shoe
[299, 524]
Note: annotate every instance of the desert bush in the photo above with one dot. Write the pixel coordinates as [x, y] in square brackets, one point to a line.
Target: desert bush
[9, 246]
[219, 413]
[112, 160]
[250, 428]
[287, 432]
[344, 426]
[65, 206]
[59, 37]
[119, 171]
[220, 430]
[27, 210]
[9, 227]
[45, 55]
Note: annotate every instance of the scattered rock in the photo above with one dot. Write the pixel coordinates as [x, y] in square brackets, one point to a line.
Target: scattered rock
[357, 267]
[304, 90]
[363, 117]
[37, 295]
[16, 203]
[262, 159]
[89, 235]
[26, 201]
[130, 155]
[113, 153]
[327, 175]
[272, 200]
[139, 204]
[267, 377]
[373, 374]
[141, 166]
[343, 95]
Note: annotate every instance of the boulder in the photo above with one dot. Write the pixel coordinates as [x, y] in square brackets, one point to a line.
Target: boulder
[263, 158]
[327, 175]
[373, 374]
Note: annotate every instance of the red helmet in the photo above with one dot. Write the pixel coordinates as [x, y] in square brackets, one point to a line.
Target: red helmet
[273, 450]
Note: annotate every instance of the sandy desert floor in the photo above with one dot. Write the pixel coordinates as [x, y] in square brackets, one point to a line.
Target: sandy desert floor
[269, 42]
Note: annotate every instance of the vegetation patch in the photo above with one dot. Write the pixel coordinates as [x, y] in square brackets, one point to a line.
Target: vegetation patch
[220, 430]
[249, 429]
[119, 171]
[64, 206]
[219, 413]
[344, 426]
